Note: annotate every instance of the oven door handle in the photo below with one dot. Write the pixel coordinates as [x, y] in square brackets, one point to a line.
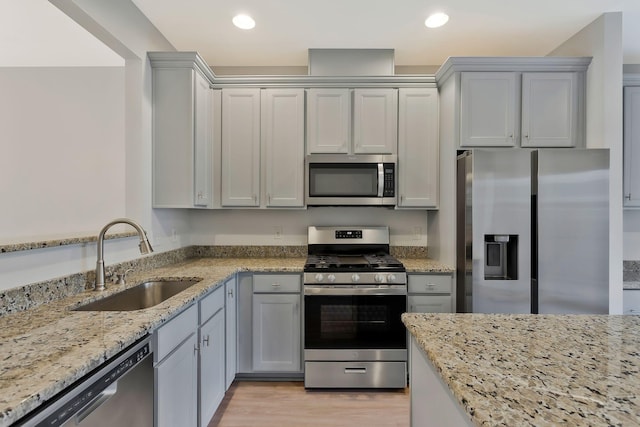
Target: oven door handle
[329, 290]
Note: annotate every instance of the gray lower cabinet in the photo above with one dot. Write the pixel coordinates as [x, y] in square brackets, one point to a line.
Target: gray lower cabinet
[430, 293]
[269, 318]
[276, 332]
[432, 403]
[211, 355]
[189, 363]
[631, 301]
[176, 370]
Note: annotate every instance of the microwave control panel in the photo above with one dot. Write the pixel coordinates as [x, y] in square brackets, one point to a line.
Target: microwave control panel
[389, 180]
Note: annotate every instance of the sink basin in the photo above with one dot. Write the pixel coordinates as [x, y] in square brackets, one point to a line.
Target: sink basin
[141, 296]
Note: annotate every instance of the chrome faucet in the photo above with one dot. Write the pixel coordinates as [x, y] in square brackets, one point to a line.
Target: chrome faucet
[145, 248]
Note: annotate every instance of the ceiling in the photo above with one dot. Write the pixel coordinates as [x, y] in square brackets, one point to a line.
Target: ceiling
[286, 29]
[36, 33]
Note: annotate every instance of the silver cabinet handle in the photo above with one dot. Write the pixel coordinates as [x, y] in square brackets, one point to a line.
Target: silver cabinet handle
[275, 285]
[196, 348]
[230, 293]
[205, 340]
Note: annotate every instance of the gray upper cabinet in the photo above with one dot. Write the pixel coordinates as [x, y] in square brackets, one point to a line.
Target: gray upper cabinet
[352, 121]
[632, 146]
[182, 131]
[283, 147]
[516, 102]
[240, 169]
[504, 109]
[375, 121]
[328, 120]
[550, 109]
[488, 104]
[418, 153]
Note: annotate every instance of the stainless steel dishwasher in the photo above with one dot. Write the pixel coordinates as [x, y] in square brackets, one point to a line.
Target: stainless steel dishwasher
[119, 393]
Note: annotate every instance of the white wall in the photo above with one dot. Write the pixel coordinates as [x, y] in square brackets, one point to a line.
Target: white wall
[602, 39]
[91, 160]
[62, 168]
[258, 227]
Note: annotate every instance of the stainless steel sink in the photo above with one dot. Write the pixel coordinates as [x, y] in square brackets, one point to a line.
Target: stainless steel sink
[141, 296]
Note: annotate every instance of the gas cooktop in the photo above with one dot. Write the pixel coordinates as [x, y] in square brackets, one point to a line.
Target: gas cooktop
[351, 255]
[347, 263]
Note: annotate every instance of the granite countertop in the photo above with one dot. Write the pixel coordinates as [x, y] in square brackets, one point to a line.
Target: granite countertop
[46, 348]
[536, 370]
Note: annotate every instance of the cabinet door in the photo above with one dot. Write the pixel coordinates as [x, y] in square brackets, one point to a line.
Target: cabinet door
[328, 120]
[177, 386]
[240, 147]
[632, 146]
[283, 146]
[231, 323]
[212, 367]
[375, 121]
[549, 109]
[418, 153]
[429, 303]
[203, 142]
[488, 109]
[276, 332]
[173, 118]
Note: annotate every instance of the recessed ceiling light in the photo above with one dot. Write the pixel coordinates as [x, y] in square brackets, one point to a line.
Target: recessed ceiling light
[436, 20]
[244, 22]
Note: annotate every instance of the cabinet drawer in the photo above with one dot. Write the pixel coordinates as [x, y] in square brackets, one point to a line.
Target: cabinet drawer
[429, 303]
[276, 283]
[171, 334]
[429, 284]
[631, 301]
[210, 304]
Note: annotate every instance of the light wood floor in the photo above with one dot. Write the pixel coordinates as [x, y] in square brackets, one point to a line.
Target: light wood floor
[288, 404]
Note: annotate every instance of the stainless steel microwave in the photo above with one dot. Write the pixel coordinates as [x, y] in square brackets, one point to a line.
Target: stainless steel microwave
[350, 180]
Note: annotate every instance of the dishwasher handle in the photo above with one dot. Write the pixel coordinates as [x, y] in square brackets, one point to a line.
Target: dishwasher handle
[100, 400]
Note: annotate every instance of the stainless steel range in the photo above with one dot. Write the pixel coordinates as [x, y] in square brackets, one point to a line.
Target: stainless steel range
[354, 295]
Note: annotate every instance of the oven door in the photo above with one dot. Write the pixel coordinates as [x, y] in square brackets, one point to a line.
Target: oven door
[369, 320]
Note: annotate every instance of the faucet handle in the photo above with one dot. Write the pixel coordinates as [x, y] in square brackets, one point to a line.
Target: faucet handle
[121, 277]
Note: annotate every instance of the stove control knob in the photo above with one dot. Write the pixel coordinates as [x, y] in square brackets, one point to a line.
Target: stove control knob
[355, 278]
[391, 278]
[319, 277]
[378, 278]
[331, 278]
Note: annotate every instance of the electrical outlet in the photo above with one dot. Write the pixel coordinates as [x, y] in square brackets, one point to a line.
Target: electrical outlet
[174, 235]
[277, 232]
[417, 233]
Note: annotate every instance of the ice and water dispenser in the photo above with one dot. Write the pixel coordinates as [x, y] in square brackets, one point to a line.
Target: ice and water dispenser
[500, 257]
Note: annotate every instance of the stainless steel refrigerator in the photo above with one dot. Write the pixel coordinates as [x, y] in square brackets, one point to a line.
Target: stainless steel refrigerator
[533, 231]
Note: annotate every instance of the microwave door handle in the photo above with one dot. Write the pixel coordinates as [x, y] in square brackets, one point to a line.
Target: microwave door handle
[380, 179]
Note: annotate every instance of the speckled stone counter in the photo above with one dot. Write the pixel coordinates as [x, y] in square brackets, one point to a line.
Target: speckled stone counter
[425, 265]
[46, 348]
[536, 370]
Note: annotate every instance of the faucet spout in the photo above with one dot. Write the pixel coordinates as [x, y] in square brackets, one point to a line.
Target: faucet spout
[145, 248]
